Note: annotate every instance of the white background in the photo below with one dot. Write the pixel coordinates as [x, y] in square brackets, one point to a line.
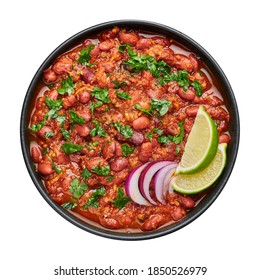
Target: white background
[35, 239]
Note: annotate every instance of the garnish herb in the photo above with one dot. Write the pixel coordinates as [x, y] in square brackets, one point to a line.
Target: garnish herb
[38, 126]
[160, 105]
[54, 167]
[198, 88]
[101, 170]
[123, 95]
[119, 85]
[77, 189]
[67, 86]
[110, 178]
[85, 173]
[69, 205]
[98, 130]
[95, 105]
[75, 118]
[125, 130]
[48, 134]
[155, 130]
[53, 104]
[69, 148]
[176, 139]
[60, 119]
[93, 200]
[121, 200]
[84, 55]
[101, 94]
[65, 133]
[126, 150]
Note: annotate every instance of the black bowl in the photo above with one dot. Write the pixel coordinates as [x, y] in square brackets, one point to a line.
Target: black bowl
[224, 88]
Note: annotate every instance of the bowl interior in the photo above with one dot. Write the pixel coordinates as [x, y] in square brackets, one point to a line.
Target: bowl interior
[223, 86]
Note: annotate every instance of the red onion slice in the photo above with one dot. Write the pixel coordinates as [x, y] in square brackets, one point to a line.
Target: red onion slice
[132, 186]
[162, 180]
[146, 177]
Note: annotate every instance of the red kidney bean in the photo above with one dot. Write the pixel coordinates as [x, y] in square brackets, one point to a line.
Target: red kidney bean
[66, 184]
[95, 52]
[141, 123]
[182, 62]
[137, 138]
[177, 213]
[194, 61]
[187, 95]
[192, 111]
[167, 55]
[41, 133]
[53, 94]
[87, 42]
[63, 64]
[161, 41]
[144, 43]
[128, 38]
[218, 113]
[146, 151]
[110, 34]
[84, 96]
[110, 223]
[82, 129]
[49, 76]
[118, 150]
[224, 138]
[36, 154]
[152, 223]
[87, 75]
[45, 168]
[63, 159]
[69, 101]
[86, 115]
[187, 202]
[74, 157]
[109, 150]
[119, 164]
[106, 45]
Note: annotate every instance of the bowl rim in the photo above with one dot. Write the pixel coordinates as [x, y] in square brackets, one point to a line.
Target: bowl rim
[138, 25]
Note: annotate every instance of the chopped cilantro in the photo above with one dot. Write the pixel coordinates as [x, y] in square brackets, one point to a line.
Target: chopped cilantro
[121, 200]
[101, 94]
[101, 170]
[126, 150]
[69, 148]
[98, 130]
[93, 200]
[77, 189]
[69, 205]
[75, 118]
[84, 55]
[198, 88]
[125, 130]
[67, 86]
[85, 173]
[123, 95]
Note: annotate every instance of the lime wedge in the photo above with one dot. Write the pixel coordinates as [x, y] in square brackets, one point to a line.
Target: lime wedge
[194, 183]
[201, 146]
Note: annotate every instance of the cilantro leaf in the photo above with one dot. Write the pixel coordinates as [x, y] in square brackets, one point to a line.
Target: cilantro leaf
[101, 170]
[118, 85]
[95, 105]
[121, 200]
[177, 139]
[98, 130]
[76, 189]
[123, 95]
[198, 88]
[101, 94]
[75, 118]
[93, 200]
[85, 173]
[126, 150]
[69, 148]
[125, 130]
[160, 105]
[67, 86]
[84, 55]
[139, 107]
[69, 205]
